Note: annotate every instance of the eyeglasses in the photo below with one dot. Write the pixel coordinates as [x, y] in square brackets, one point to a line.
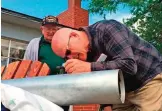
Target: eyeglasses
[68, 52]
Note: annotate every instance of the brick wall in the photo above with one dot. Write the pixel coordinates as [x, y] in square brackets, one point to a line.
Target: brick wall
[75, 16]
[66, 18]
[81, 17]
[91, 107]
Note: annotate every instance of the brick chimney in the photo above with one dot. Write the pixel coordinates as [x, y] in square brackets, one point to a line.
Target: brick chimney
[72, 3]
[74, 16]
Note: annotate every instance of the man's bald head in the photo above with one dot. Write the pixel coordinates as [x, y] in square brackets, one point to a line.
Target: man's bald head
[78, 42]
[60, 41]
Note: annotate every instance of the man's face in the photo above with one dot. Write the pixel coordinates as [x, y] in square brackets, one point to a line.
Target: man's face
[70, 44]
[76, 49]
[48, 31]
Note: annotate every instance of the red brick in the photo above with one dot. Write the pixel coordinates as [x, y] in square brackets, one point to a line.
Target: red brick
[77, 107]
[88, 110]
[86, 107]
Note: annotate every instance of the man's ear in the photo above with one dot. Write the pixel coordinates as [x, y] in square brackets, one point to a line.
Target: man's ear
[41, 28]
[87, 47]
[73, 34]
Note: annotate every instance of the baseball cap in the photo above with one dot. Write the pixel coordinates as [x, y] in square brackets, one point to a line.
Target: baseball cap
[50, 20]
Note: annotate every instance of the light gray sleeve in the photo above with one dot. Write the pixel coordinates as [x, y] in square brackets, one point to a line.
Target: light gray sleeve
[27, 52]
[31, 52]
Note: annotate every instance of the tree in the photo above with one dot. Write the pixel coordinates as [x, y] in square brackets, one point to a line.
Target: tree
[146, 14]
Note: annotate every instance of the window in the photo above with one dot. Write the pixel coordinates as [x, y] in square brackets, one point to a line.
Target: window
[12, 50]
[17, 50]
[4, 51]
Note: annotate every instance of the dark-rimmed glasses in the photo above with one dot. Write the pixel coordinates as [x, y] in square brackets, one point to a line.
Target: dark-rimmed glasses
[68, 52]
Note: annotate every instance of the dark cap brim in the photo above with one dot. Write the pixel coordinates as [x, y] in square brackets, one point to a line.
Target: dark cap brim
[52, 23]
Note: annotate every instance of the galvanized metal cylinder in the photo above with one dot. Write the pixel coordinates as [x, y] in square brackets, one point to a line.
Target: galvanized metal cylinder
[99, 87]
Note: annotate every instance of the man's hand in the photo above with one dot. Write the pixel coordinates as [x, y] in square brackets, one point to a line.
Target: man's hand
[77, 66]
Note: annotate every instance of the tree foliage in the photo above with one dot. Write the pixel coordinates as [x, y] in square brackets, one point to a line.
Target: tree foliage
[146, 18]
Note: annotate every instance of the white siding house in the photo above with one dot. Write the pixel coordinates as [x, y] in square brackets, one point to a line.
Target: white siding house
[17, 30]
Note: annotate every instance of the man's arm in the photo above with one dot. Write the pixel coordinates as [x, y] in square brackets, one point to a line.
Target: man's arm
[119, 48]
[31, 52]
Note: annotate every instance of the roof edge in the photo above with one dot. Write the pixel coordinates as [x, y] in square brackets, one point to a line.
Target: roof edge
[21, 15]
[25, 16]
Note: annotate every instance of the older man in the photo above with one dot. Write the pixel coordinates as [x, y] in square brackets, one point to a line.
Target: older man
[40, 48]
[140, 62]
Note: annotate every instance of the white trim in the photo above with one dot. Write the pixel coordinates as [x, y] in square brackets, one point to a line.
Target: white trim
[9, 48]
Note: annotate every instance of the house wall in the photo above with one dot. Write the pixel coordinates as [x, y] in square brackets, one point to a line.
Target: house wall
[19, 32]
[14, 39]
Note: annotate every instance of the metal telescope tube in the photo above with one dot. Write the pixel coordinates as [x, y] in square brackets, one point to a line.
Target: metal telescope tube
[99, 87]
